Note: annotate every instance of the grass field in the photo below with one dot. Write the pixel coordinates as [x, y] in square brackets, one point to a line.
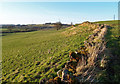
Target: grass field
[32, 56]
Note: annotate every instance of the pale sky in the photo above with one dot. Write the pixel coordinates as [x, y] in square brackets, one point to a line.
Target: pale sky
[66, 12]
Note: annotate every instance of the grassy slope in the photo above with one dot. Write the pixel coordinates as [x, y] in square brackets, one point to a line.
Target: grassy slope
[22, 52]
[108, 22]
[113, 44]
[32, 56]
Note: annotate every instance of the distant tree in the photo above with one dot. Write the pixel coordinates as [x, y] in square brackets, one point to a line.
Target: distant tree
[58, 25]
[10, 28]
[72, 24]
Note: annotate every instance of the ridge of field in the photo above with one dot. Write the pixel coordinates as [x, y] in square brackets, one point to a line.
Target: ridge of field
[32, 56]
[109, 52]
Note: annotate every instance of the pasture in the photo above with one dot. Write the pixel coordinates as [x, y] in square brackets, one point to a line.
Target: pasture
[32, 56]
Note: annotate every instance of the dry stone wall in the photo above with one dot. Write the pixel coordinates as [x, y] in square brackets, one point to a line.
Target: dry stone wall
[86, 63]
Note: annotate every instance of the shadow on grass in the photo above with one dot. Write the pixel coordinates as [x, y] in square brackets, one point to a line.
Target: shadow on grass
[113, 44]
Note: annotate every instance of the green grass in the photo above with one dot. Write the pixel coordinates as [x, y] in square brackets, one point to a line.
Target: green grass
[6, 29]
[113, 44]
[112, 37]
[12, 30]
[108, 22]
[32, 56]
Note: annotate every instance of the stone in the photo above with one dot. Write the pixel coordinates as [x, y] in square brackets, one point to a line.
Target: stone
[59, 73]
[64, 74]
[43, 81]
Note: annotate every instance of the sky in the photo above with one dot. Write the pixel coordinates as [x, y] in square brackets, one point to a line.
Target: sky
[66, 12]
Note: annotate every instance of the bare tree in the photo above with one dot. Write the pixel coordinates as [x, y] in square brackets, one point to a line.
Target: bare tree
[58, 25]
